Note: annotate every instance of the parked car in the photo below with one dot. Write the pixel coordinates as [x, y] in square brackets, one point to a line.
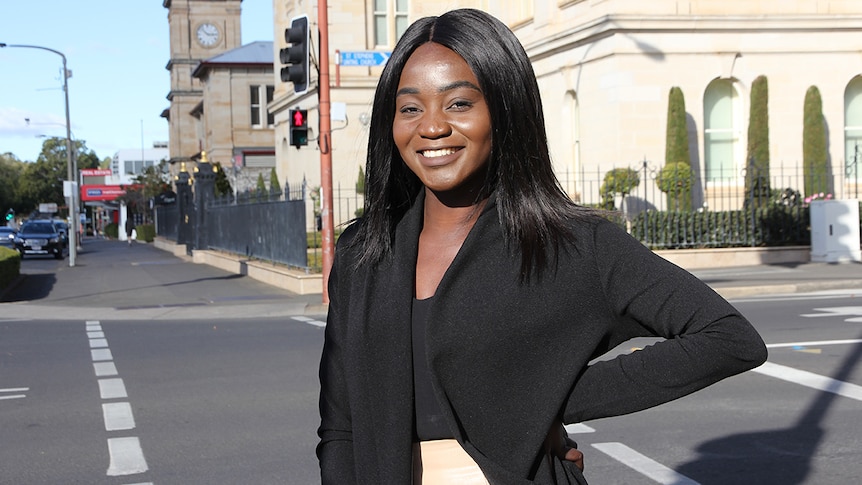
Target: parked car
[7, 236]
[63, 229]
[39, 237]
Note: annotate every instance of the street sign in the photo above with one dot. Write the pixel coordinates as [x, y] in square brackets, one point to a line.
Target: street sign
[364, 58]
[95, 172]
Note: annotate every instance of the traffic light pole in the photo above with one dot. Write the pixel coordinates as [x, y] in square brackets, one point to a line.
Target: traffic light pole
[325, 142]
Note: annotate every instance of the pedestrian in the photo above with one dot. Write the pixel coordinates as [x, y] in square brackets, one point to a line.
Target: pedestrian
[468, 302]
[130, 229]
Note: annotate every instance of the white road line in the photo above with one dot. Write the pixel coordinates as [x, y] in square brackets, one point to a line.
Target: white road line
[98, 343]
[101, 354]
[809, 379]
[112, 388]
[93, 334]
[15, 389]
[118, 416]
[104, 369]
[814, 343]
[127, 457]
[310, 321]
[644, 465]
[14, 396]
[578, 428]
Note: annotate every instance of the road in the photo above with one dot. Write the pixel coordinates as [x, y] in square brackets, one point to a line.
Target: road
[233, 399]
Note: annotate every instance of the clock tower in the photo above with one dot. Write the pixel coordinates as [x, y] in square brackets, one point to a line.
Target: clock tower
[199, 30]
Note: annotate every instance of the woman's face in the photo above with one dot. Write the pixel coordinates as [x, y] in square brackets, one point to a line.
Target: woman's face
[442, 125]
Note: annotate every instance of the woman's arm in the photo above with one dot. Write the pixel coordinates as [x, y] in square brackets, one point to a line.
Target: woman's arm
[706, 338]
[335, 450]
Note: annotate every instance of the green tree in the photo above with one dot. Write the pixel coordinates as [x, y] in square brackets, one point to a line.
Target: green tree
[677, 157]
[222, 186]
[815, 156]
[274, 185]
[42, 180]
[151, 182]
[360, 181]
[11, 169]
[757, 169]
[261, 191]
[676, 147]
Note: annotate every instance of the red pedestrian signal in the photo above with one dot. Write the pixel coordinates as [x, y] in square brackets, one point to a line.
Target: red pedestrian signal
[298, 127]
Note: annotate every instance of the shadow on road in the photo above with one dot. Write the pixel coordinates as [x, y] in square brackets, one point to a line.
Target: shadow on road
[31, 287]
[772, 456]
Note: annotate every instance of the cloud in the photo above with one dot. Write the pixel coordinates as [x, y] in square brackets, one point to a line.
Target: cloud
[16, 122]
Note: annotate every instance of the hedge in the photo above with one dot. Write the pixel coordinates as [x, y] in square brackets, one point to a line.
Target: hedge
[10, 266]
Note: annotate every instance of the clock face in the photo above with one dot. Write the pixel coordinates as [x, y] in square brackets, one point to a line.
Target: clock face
[207, 34]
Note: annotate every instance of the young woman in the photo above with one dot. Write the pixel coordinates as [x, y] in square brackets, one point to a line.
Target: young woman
[467, 304]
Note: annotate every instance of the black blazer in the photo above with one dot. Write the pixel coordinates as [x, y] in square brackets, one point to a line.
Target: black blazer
[509, 358]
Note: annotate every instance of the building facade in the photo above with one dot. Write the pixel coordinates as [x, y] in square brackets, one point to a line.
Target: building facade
[605, 68]
[232, 124]
[199, 30]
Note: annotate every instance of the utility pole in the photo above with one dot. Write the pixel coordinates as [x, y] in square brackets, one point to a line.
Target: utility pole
[72, 200]
[325, 143]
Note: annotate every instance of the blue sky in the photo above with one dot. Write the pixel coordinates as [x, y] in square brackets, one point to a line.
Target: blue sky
[117, 51]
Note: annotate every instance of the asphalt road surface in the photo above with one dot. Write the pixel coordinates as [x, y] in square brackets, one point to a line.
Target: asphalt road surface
[234, 399]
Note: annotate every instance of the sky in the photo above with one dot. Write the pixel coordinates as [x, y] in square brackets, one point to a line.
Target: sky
[117, 51]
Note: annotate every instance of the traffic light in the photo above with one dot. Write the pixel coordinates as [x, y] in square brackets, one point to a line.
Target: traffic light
[10, 214]
[295, 55]
[299, 127]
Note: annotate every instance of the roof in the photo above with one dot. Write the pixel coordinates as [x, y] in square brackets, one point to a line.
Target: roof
[257, 53]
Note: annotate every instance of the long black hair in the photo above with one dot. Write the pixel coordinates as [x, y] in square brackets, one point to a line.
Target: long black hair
[532, 206]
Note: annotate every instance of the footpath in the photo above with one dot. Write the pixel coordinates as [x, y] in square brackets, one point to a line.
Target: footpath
[113, 280]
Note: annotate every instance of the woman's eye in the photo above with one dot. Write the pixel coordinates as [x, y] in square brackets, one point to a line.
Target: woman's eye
[461, 104]
[408, 110]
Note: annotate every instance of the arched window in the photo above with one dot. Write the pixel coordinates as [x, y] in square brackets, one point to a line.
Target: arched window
[722, 132]
[853, 130]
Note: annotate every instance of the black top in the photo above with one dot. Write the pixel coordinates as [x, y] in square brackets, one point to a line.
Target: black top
[430, 423]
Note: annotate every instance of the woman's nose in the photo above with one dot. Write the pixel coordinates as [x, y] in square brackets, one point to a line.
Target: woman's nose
[434, 125]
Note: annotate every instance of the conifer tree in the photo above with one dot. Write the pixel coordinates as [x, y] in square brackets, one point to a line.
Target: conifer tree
[757, 158]
[677, 157]
[814, 152]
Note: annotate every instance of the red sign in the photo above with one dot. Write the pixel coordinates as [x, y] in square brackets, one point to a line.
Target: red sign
[101, 192]
[96, 172]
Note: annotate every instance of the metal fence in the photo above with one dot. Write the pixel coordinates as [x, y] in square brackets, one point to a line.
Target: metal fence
[664, 209]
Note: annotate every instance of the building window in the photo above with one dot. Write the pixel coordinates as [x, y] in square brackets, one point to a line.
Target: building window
[390, 17]
[722, 134]
[853, 130]
[260, 96]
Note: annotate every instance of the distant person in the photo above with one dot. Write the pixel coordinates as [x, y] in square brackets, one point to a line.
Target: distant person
[469, 302]
[130, 228]
[82, 228]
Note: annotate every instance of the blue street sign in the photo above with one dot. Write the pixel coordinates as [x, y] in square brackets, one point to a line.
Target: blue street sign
[364, 58]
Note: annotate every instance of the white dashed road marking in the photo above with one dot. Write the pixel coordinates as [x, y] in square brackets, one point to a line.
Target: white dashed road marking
[126, 454]
[643, 464]
[812, 380]
[4, 397]
[127, 457]
[118, 416]
[310, 321]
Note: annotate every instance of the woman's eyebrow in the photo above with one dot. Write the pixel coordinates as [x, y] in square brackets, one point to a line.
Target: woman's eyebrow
[442, 89]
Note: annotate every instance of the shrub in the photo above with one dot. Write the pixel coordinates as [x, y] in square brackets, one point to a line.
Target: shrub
[10, 266]
[618, 181]
[145, 232]
[814, 151]
[675, 179]
[112, 230]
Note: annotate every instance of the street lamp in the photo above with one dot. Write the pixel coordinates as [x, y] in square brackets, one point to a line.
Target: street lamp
[70, 163]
